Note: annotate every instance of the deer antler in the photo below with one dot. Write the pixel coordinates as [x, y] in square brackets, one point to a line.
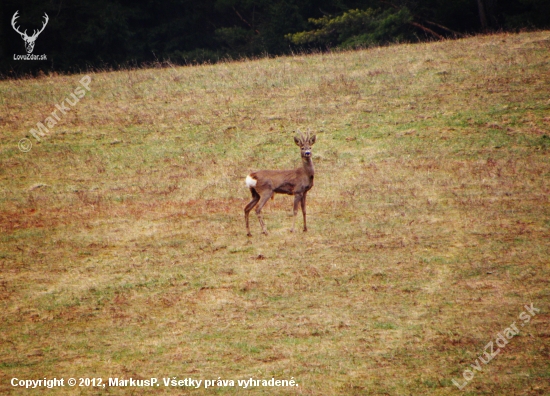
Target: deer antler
[301, 137]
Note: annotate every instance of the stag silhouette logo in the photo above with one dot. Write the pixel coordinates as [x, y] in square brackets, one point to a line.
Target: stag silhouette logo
[29, 40]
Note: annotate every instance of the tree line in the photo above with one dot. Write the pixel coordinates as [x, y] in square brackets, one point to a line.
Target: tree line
[101, 34]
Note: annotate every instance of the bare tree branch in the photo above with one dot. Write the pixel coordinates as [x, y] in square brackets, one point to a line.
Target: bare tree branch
[444, 28]
[427, 30]
[245, 21]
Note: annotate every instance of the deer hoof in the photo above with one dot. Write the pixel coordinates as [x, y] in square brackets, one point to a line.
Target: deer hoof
[305, 229]
[249, 234]
[292, 230]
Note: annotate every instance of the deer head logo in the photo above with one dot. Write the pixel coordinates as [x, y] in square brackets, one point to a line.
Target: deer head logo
[29, 40]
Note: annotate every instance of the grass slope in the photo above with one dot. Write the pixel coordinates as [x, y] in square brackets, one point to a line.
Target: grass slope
[123, 251]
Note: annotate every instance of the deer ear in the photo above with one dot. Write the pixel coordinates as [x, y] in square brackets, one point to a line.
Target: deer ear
[312, 140]
[297, 141]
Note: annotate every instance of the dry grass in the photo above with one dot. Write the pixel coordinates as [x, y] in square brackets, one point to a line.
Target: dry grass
[123, 250]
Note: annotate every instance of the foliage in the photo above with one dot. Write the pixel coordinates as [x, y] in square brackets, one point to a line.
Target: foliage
[120, 33]
[356, 28]
[526, 13]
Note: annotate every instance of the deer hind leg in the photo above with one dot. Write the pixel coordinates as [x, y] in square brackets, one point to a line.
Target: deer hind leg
[297, 199]
[249, 207]
[263, 200]
[303, 202]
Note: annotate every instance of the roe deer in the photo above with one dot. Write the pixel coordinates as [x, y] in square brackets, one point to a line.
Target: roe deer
[264, 184]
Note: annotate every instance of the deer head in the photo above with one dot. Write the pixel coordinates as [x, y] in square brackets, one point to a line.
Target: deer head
[305, 142]
[29, 40]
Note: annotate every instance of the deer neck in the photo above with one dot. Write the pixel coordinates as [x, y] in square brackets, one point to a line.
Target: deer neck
[308, 166]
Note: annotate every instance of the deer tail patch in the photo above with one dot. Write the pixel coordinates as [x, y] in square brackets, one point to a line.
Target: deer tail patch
[251, 182]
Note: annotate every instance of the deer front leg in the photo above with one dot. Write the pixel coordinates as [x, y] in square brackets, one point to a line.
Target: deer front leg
[303, 202]
[297, 199]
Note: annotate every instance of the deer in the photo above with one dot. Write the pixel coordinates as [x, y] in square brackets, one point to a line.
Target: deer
[29, 41]
[264, 184]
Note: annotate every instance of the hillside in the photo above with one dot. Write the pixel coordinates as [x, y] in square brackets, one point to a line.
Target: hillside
[123, 250]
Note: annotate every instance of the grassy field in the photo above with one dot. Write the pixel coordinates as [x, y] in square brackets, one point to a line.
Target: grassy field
[123, 250]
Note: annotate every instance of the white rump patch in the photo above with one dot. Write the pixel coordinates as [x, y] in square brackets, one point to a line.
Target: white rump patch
[250, 182]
